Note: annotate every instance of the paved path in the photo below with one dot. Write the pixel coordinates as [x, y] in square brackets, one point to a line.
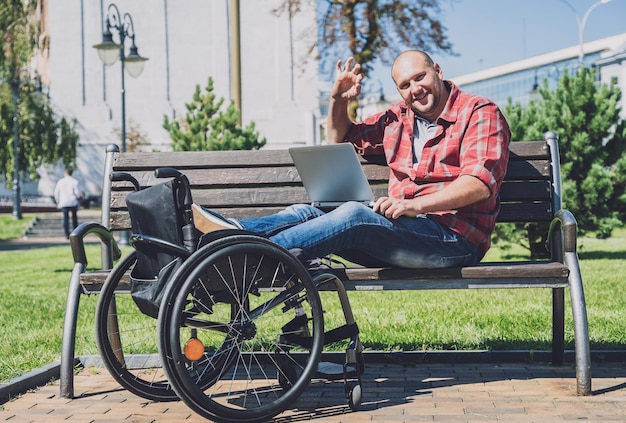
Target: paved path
[391, 393]
[31, 242]
[38, 242]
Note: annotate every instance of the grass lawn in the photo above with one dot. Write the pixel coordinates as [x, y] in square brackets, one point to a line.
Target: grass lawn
[34, 285]
[11, 228]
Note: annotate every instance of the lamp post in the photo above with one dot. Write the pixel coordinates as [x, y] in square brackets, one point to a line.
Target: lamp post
[36, 95]
[109, 51]
[581, 25]
[17, 198]
[552, 72]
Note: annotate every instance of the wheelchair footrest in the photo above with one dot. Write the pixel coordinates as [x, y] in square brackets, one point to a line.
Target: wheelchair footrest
[334, 371]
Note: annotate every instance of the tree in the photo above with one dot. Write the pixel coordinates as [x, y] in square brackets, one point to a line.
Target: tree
[206, 128]
[373, 29]
[44, 138]
[592, 148]
[136, 139]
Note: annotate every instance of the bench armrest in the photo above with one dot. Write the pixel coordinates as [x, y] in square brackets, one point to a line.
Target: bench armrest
[568, 227]
[77, 242]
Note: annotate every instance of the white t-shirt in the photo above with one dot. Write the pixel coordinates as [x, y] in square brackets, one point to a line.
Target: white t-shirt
[423, 130]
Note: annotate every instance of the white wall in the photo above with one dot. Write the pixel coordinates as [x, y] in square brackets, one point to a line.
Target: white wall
[186, 42]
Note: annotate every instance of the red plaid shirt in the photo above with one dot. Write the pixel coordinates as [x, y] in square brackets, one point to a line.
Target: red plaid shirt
[472, 138]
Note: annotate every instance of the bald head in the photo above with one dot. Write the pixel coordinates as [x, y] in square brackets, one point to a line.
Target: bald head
[420, 83]
[410, 58]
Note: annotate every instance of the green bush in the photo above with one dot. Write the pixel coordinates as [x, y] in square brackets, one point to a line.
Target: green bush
[205, 127]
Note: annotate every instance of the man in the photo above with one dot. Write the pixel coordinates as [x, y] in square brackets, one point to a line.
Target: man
[67, 194]
[447, 151]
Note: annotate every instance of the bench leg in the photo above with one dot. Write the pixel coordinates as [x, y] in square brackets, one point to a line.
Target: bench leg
[69, 333]
[581, 329]
[558, 326]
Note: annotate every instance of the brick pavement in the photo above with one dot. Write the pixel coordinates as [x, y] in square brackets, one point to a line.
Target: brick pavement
[391, 393]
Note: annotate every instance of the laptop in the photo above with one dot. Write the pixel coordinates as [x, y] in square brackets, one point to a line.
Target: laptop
[332, 175]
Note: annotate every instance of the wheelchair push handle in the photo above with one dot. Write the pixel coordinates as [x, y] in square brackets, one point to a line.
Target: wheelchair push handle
[181, 178]
[190, 236]
[167, 172]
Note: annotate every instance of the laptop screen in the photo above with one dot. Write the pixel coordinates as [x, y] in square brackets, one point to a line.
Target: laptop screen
[332, 174]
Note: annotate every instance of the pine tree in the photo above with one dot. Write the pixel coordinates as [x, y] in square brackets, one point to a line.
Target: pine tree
[592, 147]
[205, 127]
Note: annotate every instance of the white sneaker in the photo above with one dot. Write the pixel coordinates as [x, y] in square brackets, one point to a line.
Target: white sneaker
[207, 221]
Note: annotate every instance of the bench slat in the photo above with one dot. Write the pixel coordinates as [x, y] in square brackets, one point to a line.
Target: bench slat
[538, 212]
[525, 191]
[524, 150]
[201, 159]
[288, 176]
[520, 150]
[485, 275]
[500, 270]
[429, 284]
[528, 170]
[525, 212]
[120, 220]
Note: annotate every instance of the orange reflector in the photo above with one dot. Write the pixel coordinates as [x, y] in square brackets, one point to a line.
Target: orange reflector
[194, 349]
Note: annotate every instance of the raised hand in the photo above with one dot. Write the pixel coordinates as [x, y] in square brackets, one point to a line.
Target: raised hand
[348, 81]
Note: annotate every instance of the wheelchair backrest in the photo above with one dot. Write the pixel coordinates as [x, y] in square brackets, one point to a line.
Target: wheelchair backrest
[156, 212]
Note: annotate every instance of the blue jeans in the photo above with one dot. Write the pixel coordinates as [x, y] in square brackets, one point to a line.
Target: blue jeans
[362, 236]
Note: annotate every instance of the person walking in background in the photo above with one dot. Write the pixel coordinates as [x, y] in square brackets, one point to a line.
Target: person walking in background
[67, 195]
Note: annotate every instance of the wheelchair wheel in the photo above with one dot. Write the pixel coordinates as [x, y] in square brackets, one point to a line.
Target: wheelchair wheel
[240, 329]
[128, 340]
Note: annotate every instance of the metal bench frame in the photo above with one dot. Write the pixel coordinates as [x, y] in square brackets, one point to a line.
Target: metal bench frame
[255, 183]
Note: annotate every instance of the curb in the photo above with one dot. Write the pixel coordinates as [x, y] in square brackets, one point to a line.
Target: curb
[31, 380]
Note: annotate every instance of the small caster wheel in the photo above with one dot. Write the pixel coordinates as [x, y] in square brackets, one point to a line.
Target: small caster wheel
[353, 395]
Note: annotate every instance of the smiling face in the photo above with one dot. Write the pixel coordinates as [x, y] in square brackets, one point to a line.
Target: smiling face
[420, 83]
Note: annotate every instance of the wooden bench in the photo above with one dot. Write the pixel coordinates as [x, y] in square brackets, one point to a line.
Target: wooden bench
[256, 183]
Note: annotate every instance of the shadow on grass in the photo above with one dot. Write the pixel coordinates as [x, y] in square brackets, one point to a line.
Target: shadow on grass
[602, 255]
[582, 255]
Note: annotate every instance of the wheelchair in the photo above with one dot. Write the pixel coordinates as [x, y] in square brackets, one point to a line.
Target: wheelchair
[229, 322]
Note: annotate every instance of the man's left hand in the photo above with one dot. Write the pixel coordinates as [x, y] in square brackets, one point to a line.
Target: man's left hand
[393, 208]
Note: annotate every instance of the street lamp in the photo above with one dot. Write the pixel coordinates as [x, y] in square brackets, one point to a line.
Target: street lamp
[552, 72]
[109, 51]
[17, 199]
[15, 88]
[581, 25]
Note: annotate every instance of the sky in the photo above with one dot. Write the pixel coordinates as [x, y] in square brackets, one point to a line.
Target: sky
[488, 33]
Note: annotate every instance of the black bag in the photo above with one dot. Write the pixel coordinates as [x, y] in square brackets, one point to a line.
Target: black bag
[155, 212]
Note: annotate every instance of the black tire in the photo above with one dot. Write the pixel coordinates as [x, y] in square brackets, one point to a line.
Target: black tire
[240, 296]
[128, 339]
[353, 395]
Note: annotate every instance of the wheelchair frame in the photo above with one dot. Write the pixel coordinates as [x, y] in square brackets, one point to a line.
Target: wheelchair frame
[240, 329]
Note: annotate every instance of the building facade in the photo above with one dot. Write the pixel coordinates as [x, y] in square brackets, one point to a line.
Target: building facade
[519, 80]
[186, 42]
